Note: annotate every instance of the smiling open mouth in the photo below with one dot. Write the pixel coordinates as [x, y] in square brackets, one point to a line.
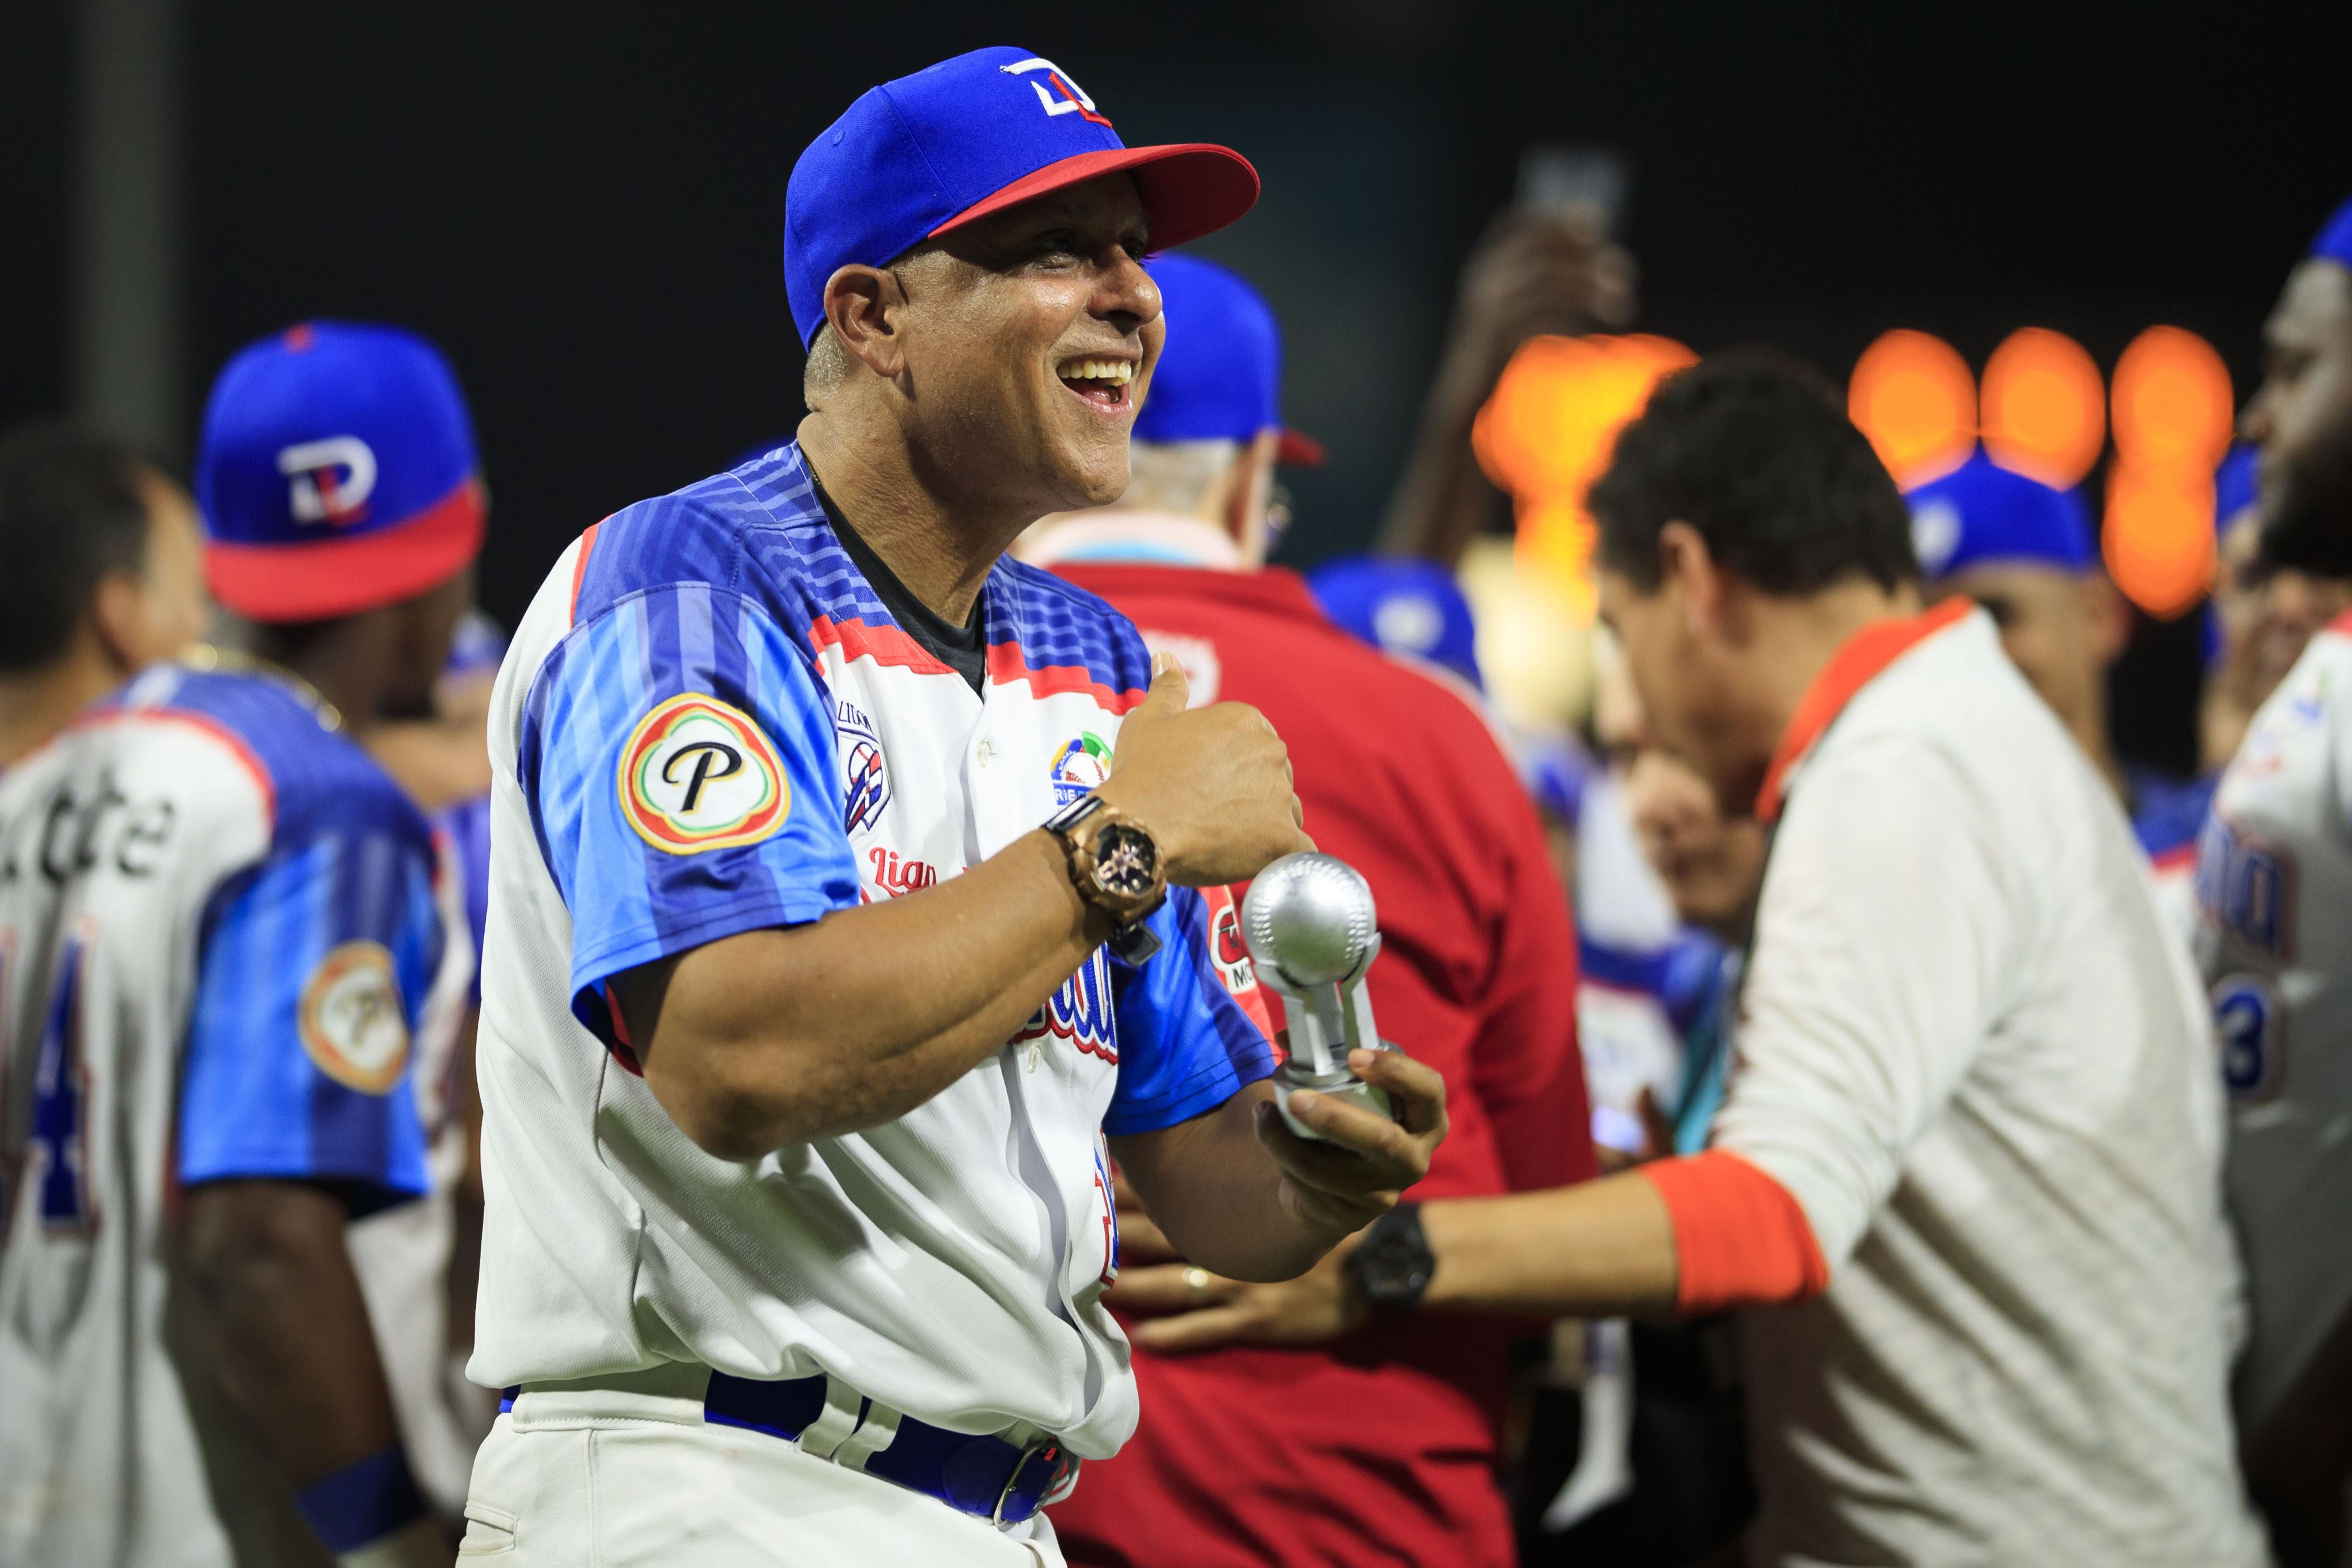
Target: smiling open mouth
[1102, 382]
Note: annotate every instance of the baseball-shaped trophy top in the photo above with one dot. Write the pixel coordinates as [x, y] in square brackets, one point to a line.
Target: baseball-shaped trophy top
[1309, 918]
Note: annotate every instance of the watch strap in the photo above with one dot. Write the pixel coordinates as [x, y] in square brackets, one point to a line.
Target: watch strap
[1133, 943]
[1060, 823]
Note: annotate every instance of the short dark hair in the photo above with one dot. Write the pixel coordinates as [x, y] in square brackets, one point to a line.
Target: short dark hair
[1754, 450]
[73, 511]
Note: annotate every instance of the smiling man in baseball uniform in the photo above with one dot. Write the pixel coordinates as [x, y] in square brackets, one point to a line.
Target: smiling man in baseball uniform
[842, 902]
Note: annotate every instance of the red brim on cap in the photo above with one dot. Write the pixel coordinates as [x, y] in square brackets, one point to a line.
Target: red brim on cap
[1189, 189]
[318, 580]
[1297, 449]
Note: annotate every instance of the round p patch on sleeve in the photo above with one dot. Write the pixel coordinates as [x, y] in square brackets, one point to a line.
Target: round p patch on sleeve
[351, 1022]
[698, 774]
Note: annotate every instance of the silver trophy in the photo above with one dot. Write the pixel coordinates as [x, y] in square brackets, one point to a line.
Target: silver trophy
[1309, 922]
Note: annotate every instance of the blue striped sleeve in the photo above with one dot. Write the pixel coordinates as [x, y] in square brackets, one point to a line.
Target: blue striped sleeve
[312, 978]
[1185, 1046]
[678, 756]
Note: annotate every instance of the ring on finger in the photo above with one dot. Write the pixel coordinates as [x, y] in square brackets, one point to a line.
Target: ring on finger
[1196, 1285]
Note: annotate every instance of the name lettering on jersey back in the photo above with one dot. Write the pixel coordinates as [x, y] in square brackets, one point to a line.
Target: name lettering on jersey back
[2245, 885]
[72, 835]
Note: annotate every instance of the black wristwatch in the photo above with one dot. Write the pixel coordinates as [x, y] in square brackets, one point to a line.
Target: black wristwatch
[1115, 865]
[1393, 1264]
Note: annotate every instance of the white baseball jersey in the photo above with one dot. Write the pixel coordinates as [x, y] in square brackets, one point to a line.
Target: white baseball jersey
[720, 714]
[2275, 892]
[217, 937]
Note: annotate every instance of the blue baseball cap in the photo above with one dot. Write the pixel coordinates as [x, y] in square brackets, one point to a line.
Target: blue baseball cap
[2334, 241]
[1402, 606]
[1219, 377]
[336, 473]
[1981, 512]
[928, 153]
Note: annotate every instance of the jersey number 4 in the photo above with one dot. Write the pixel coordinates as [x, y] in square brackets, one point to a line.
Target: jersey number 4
[60, 1161]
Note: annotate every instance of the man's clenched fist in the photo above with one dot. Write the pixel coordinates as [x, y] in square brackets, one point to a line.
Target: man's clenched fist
[1212, 785]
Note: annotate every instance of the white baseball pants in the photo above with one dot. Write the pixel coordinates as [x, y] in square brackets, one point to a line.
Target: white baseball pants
[610, 1480]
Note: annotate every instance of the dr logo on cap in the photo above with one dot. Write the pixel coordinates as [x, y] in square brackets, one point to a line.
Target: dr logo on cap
[337, 473]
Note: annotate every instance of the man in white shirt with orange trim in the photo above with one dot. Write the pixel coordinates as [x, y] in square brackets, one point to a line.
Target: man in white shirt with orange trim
[1966, 1166]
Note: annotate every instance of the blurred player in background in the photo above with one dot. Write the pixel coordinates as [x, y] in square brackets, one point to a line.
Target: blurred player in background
[461, 701]
[1711, 865]
[419, 1262]
[1968, 1148]
[101, 574]
[2264, 613]
[1683, 1488]
[423, 1266]
[1382, 1447]
[221, 981]
[2024, 552]
[2275, 886]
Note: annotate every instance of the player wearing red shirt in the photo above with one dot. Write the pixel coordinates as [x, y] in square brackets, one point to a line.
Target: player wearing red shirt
[1380, 1446]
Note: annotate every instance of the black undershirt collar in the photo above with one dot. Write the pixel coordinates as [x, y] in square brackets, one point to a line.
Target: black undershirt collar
[958, 647]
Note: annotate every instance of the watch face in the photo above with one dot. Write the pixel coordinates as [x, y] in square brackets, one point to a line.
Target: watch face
[1395, 1266]
[1125, 860]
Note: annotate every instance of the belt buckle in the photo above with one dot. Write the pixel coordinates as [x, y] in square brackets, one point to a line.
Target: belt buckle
[1049, 1448]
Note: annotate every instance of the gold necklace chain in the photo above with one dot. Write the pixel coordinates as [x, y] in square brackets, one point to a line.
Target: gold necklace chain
[210, 657]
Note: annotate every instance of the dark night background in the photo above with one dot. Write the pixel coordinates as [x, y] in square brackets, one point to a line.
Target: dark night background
[582, 203]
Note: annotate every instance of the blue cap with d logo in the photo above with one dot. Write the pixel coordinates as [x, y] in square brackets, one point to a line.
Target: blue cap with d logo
[336, 473]
[930, 153]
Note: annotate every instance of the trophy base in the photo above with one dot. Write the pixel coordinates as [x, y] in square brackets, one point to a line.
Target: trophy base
[1351, 1089]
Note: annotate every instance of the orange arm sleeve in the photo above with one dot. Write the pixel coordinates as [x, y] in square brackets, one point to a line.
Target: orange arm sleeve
[1740, 1239]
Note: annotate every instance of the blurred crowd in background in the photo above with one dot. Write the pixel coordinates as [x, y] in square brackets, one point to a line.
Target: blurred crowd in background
[2104, 503]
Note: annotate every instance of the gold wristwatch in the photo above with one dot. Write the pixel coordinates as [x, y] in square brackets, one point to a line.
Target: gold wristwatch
[1115, 865]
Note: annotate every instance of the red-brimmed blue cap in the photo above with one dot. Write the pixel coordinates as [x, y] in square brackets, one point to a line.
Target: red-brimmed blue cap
[1219, 376]
[928, 153]
[336, 473]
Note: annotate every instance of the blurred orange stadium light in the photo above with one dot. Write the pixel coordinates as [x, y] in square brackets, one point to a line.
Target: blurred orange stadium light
[1546, 433]
[2043, 407]
[2171, 411]
[2159, 541]
[1914, 396]
[2173, 401]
